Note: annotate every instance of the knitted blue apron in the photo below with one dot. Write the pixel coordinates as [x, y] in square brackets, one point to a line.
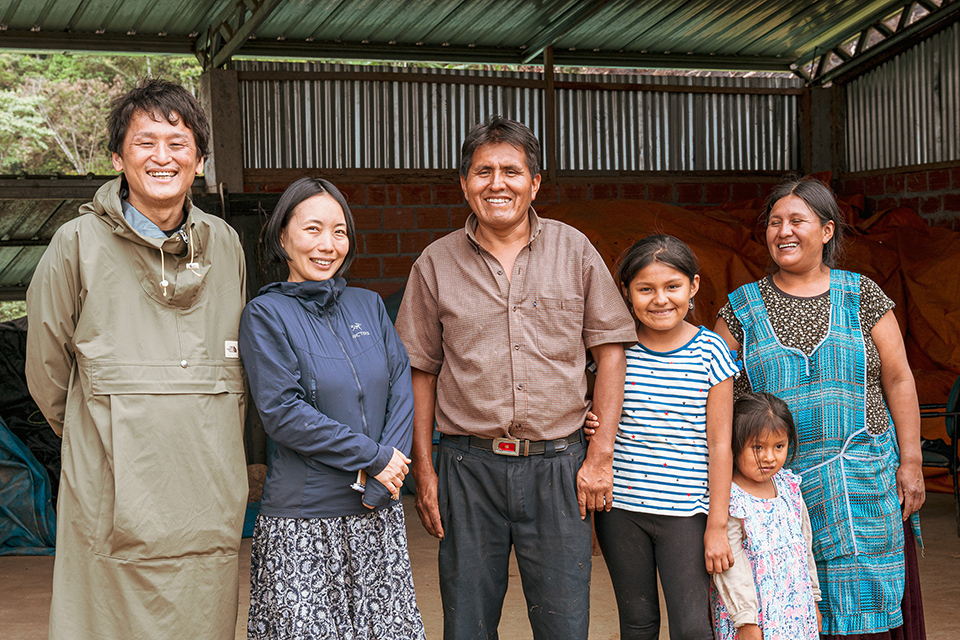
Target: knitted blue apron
[849, 475]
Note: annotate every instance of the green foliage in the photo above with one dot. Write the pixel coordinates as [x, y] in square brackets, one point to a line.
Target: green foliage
[53, 107]
[12, 310]
[22, 130]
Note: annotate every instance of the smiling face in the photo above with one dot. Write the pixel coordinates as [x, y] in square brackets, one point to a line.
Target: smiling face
[499, 187]
[762, 457]
[315, 239]
[160, 161]
[796, 235]
[660, 296]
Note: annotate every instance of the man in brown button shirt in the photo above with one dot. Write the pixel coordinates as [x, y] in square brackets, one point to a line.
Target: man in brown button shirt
[497, 318]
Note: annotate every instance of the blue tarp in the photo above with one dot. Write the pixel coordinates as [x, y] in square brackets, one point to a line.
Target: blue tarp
[28, 524]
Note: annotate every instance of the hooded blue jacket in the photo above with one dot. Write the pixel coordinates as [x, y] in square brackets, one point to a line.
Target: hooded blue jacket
[331, 381]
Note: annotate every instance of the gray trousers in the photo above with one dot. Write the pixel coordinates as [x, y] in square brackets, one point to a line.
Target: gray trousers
[489, 502]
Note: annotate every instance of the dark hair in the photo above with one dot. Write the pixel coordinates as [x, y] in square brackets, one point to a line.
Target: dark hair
[662, 248]
[822, 202]
[757, 414]
[296, 193]
[158, 99]
[494, 130]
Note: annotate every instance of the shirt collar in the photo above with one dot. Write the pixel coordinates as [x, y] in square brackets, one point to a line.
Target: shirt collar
[141, 223]
[471, 227]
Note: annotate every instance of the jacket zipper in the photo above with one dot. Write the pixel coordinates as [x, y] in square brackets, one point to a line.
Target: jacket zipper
[353, 370]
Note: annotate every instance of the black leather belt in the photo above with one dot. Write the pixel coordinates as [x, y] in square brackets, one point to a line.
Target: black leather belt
[515, 447]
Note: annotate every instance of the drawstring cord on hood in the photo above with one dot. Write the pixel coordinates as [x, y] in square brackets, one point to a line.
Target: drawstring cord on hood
[163, 275]
[192, 266]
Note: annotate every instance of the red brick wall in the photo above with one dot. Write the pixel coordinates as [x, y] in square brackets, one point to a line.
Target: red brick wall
[934, 193]
[395, 222]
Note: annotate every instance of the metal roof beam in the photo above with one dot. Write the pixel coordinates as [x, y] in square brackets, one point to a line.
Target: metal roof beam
[13, 294]
[548, 36]
[895, 44]
[498, 55]
[231, 30]
[57, 41]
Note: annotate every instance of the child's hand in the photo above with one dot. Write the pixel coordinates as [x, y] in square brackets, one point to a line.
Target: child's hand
[749, 632]
[591, 426]
[819, 619]
[716, 550]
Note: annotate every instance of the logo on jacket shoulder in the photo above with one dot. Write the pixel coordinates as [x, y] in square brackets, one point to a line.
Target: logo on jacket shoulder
[357, 330]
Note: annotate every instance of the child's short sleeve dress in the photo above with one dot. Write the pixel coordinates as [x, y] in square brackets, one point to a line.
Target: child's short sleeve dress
[775, 546]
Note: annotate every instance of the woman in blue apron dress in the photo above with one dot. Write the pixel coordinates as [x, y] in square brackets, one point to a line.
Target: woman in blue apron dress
[827, 343]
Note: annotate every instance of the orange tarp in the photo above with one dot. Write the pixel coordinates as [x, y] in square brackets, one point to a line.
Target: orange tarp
[918, 266]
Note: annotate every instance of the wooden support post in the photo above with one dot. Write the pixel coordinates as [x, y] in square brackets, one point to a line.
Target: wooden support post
[551, 155]
[220, 97]
[838, 129]
[806, 132]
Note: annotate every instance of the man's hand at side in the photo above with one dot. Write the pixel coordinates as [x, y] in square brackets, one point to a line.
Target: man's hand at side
[595, 478]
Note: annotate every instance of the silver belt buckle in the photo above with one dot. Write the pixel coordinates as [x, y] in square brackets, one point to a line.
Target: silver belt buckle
[506, 446]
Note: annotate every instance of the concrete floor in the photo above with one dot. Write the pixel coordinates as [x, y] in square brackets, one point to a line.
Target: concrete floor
[25, 586]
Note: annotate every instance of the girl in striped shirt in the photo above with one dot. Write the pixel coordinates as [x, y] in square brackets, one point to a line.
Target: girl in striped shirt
[672, 461]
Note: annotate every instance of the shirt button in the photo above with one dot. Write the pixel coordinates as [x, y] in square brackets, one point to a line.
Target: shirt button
[183, 363]
[499, 272]
[519, 387]
[517, 347]
[514, 307]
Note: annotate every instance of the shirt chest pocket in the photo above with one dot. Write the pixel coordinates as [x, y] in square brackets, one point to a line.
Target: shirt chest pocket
[559, 324]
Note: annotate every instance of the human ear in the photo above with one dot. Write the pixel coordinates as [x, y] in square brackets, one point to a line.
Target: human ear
[828, 230]
[536, 187]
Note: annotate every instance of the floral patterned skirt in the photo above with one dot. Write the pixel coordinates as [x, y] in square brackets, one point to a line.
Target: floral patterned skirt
[346, 578]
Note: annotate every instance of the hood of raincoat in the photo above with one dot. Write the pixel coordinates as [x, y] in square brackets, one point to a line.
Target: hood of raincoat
[154, 268]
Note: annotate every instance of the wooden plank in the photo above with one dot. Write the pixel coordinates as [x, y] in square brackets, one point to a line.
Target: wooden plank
[806, 132]
[365, 176]
[435, 176]
[550, 120]
[431, 78]
[675, 88]
[220, 97]
[911, 168]
[383, 76]
[838, 129]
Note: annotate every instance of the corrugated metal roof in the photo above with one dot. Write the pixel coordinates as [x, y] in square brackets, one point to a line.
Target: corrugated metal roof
[25, 227]
[735, 34]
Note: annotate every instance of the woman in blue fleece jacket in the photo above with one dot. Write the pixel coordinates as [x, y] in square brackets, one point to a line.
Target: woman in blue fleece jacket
[331, 381]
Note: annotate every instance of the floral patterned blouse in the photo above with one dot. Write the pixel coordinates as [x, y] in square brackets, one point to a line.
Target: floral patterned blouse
[801, 323]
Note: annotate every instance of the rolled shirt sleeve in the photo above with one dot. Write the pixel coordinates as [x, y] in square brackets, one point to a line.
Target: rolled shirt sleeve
[606, 318]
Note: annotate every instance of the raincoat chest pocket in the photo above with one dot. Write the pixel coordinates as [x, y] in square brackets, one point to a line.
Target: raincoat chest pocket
[559, 327]
[175, 447]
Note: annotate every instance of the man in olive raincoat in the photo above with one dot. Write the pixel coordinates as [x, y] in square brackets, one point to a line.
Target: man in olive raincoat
[132, 357]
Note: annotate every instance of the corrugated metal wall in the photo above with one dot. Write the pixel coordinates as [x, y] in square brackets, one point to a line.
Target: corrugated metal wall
[907, 111]
[410, 125]
[660, 131]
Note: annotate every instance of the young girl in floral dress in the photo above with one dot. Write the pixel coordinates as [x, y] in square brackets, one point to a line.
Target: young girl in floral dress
[771, 590]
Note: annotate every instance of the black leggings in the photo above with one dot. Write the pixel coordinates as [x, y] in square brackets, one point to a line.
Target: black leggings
[635, 545]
